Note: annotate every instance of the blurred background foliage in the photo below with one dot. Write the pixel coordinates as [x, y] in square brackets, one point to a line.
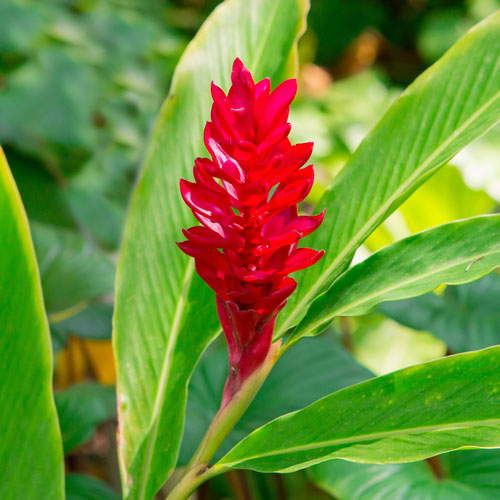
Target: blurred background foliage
[81, 82]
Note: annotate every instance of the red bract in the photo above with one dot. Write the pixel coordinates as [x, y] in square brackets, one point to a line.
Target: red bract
[246, 200]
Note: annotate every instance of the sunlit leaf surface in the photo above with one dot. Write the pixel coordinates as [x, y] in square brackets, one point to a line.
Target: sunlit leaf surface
[404, 416]
[31, 458]
[447, 107]
[454, 253]
[165, 315]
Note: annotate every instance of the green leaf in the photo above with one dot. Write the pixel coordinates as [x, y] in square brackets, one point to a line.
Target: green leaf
[79, 487]
[453, 253]
[307, 372]
[72, 270]
[466, 317]
[165, 315]
[57, 93]
[22, 27]
[404, 416]
[43, 198]
[81, 408]
[28, 418]
[100, 217]
[448, 106]
[467, 475]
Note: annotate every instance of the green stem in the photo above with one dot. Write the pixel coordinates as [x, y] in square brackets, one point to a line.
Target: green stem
[198, 470]
[192, 479]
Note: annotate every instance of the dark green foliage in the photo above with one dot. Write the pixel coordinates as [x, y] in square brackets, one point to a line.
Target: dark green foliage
[79, 487]
[312, 369]
[466, 317]
[81, 408]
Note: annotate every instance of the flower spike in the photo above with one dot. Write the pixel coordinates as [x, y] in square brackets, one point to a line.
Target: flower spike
[247, 243]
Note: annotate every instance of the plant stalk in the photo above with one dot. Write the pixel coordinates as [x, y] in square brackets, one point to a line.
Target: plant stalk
[193, 478]
[198, 469]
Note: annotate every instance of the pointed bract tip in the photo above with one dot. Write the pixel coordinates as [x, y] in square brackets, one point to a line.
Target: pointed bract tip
[241, 73]
[237, 64]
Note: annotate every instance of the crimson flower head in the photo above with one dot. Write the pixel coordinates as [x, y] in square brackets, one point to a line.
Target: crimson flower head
[245, 198]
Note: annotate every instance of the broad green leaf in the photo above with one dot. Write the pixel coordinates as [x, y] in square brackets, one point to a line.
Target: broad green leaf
[101, 218]
[448, 106]
[43, 197]
[453, 253]
[54, 80]
[74, 203]
[466, 317]
[79, 487]
[73, 271]
[466, 475]
[404, 416]
[307, 372]
[81, 408]
[21, 28]
[31, 459]
[165, 315]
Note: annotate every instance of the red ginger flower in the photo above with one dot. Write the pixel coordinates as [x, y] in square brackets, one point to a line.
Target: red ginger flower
[256, 230]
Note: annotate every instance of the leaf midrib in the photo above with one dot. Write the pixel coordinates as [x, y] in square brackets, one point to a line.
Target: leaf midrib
[165, 375]
[400, 284]
[358, 236]
[370, 437]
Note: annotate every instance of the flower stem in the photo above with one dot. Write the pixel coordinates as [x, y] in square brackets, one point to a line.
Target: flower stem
[198, 469]
[192, 479]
